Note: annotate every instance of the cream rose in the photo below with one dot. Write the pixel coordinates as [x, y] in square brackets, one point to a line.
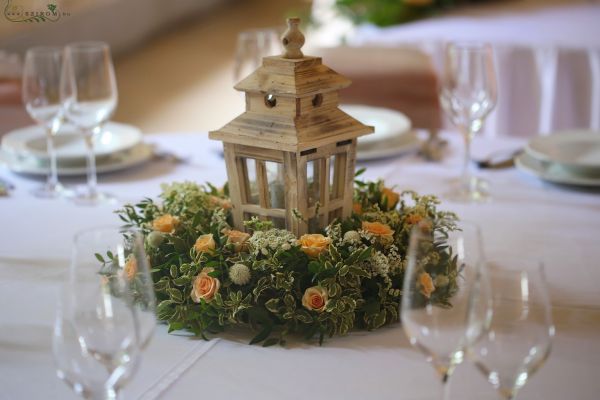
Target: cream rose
[205, 243]
[389, 198]
[315, 298]
[238, 239]
[205, 286]
[426, 284]
[378, 229]
[314, 244]
[165, 223]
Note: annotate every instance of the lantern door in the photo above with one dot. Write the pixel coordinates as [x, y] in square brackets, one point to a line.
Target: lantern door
[257, 184]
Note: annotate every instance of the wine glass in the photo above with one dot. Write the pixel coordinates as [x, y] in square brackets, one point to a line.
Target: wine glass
[103, 317]
[89, 95]
[468, 94]
[252, 45]
[519, 338]
[41, 96]
[442, 310]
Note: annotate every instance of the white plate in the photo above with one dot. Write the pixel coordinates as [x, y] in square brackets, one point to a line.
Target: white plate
[405, 143]
[388, 123]
[117, 162]
[69, 144]
[553, 172]
[574, 149]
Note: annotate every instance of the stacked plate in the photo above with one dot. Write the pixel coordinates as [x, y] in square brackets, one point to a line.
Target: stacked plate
[118, 147]
[567, 157]
[393, 135]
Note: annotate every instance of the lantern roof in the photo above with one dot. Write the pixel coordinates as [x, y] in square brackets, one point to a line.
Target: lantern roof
[281, 76]
[294, 134]
[292, 124]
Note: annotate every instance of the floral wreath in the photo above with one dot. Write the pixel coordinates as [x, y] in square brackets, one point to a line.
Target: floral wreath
[208, 276]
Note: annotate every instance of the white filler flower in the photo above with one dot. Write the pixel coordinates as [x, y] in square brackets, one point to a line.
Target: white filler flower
[239, 274]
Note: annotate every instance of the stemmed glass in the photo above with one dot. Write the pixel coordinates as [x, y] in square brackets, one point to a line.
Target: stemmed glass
[519, 338]
[105, 313]
[442, 319]
[41, 96]
[468, 94]
[89, 95]
[252, 46]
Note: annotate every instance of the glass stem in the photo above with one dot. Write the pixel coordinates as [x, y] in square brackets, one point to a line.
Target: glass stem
[445, 387]
[53, 174]
[91, 164]
[104, 394]
[466, 170]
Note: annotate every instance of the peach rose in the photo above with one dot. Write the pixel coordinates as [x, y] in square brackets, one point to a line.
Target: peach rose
[216, 201]
[378, 229]
[165, 223]
[315, 298]
[389, 198]
[130, 268]
[205, 243]
[205, 286]
[314, 244]
[413, 219]
[426, 283]
[238, 239]
[357, 208]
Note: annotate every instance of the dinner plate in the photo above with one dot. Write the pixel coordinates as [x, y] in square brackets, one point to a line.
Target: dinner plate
[387, 123]
[126, 159]
[405, 143]
[553, 172]
[574, 149]
[68, 142]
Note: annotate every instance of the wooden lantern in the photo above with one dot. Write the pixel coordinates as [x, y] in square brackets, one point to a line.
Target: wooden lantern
[292, 149]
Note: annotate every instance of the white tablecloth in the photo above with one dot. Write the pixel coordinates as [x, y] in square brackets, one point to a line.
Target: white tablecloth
[529, 217]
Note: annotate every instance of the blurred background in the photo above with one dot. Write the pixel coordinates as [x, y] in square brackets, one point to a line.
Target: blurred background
[175, 61]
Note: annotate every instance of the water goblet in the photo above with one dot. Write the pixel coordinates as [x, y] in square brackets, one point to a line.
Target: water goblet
[468, 94]
[519, 337]
[89, 96]
[105, 314]
[442, 310]
[252, 45]
[41, 96]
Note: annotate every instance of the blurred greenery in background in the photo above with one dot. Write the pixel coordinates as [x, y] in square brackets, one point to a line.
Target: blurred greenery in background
[392, 12]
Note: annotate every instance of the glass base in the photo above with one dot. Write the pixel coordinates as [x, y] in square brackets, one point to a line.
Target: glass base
[51, 191]
[87, 198]
[473, 190]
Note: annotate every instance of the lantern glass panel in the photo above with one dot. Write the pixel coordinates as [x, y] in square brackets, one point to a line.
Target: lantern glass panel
[313, 224]
[337, 168]
[337, 213]
[251, 182]
[313, 184]
[332, 176]
[276, 184]
[278, 223]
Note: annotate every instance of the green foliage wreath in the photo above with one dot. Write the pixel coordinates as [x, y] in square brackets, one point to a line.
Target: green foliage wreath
[208, 276]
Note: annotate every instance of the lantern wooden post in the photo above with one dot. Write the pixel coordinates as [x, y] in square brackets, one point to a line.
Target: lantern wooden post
[292, 126]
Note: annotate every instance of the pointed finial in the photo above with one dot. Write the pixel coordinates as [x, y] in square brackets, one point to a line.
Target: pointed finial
[293, 39]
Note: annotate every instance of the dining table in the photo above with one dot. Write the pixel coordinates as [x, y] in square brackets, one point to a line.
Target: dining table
[526, 217]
